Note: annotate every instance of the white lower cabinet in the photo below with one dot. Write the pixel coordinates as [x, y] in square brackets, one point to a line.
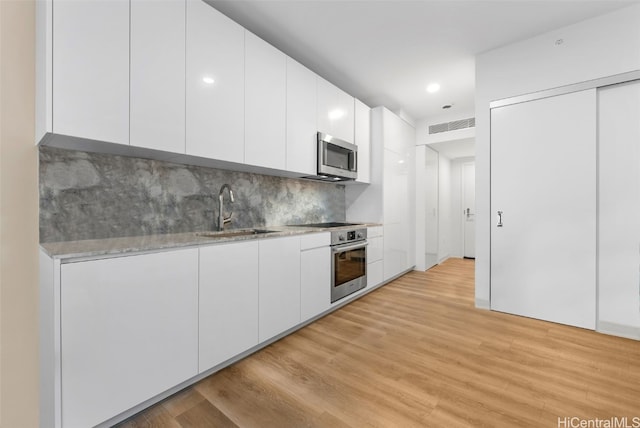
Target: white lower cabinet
[375, 252]
[375, 273]
[117, 332]
[128, 332]
[228, 302]
[279, 307]
[315, 275]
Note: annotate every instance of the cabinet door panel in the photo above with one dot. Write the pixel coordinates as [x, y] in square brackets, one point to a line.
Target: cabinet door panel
[344, 126]
[315, 282]
[279, 285]
[375, 249]
[543, 180]
[91, 63]
[302, 125]
[362, 139]
[228, 301]
[158, 74]
[335, 111]
[398, 234]
[265, 104]
[215, 84]
[129, 331]
[374, 273]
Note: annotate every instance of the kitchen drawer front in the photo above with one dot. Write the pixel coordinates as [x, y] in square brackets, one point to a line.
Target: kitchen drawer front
[374, 232]
[315, 240]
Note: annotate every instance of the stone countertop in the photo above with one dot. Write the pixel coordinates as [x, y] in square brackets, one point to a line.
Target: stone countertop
[99, 248]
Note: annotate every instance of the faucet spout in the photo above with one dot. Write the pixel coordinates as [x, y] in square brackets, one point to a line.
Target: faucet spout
[222, 220]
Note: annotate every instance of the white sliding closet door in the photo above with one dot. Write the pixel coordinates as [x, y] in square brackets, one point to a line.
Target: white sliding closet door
[543, 182]
[619, 208]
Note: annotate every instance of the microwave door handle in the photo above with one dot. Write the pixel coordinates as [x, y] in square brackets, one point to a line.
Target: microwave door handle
[355, 161]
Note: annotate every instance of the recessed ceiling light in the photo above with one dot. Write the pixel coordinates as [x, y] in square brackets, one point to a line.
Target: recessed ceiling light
[433, 88]
[208, 80]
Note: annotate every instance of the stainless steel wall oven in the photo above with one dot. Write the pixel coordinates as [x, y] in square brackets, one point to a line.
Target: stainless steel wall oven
[348, 263]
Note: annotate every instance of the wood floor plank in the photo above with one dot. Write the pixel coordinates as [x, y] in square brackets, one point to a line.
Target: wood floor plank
[417, 353]
[182, 401]
[202, 415]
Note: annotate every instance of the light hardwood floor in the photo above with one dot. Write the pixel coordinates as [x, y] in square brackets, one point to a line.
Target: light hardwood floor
[416, 353]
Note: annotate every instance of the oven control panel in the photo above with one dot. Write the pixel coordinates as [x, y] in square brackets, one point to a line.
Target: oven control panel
[348, 236]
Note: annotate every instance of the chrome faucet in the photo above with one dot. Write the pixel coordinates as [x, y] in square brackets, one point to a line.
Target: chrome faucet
[222, 220]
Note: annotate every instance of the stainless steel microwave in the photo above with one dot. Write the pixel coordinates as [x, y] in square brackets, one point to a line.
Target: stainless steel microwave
[337, 159]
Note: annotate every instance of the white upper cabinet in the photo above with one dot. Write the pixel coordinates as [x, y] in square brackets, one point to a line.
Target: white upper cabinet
[158, 75]
[335, 111]
[178, 76]
[215, 84]
[362, 139]
[302, 122]
[91, 69]
[265, 103]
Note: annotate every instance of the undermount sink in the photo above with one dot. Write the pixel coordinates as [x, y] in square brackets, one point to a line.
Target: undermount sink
[234, 233]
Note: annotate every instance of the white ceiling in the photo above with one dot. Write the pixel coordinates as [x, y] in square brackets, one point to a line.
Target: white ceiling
[385, 52]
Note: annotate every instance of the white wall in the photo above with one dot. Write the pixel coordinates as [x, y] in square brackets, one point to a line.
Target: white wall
[19, 217]
[598, 47]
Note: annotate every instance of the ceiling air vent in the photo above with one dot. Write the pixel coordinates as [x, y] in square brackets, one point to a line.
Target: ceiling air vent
[452, 126]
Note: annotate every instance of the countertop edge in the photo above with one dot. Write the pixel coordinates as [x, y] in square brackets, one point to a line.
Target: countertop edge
[71, 251]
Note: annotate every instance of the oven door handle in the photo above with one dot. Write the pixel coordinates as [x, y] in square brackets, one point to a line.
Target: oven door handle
[342, 248]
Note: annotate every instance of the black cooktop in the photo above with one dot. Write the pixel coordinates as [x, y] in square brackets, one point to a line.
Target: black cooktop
[325, 225]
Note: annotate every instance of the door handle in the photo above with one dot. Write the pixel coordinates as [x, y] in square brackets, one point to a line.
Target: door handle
[499, 219]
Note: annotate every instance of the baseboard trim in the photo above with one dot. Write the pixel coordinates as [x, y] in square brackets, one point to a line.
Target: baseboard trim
[621, 330]
[483, 304]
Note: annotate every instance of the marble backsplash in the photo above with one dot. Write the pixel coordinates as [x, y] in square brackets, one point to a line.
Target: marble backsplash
[91, 196]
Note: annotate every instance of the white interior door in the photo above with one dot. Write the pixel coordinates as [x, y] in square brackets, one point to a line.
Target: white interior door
[430, 189]
[469, 202]
[543, 202]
